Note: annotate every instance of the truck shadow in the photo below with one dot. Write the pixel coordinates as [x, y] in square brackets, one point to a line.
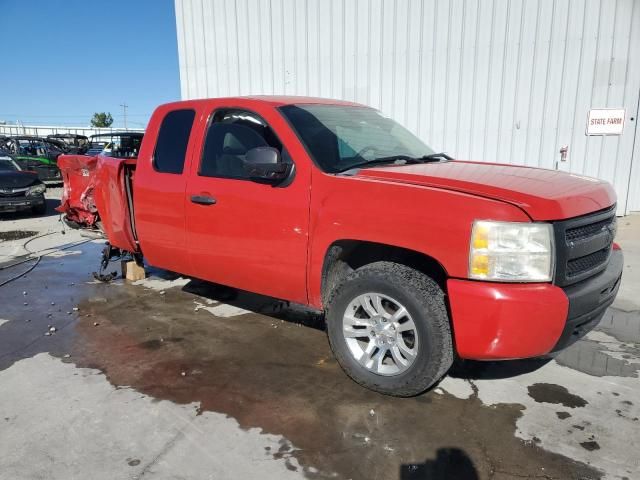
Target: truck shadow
[302, 315]
[268, 306]
[51, 203]
[449, 463]
[475, 370]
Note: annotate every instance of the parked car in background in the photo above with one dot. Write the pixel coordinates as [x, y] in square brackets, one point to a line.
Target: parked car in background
[73, 143]
[4, 145]
[20, 190]
[416, 258]
[115, 144]
[36, 154]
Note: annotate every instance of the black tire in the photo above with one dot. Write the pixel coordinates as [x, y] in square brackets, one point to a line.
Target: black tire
[40, 209]
[423, 299]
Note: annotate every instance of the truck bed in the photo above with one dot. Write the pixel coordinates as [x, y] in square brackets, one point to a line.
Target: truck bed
[98, 196]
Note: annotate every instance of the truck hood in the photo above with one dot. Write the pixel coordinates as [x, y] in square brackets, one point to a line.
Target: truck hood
[542, 194]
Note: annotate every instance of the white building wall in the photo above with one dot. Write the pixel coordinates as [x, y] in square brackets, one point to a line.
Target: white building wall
[497, 80]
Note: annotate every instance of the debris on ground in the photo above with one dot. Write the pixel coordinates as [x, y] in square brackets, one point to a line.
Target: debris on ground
[362, 437]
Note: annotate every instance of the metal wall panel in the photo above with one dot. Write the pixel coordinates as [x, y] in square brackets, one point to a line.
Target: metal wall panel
[499, 80]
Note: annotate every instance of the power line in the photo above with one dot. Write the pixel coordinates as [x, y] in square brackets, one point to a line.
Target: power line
[124, 109]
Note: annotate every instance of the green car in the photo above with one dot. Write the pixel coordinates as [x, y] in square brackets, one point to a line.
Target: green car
[36, 154]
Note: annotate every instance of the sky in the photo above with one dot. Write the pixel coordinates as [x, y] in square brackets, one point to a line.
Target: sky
[64, 60]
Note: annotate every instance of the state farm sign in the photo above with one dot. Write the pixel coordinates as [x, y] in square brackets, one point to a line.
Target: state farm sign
[605, 121]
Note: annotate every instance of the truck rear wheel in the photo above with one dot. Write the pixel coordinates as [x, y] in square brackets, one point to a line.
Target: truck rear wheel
[389, 330]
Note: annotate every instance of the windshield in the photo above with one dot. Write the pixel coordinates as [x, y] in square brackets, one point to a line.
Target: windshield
[8, 165]
[339, 137]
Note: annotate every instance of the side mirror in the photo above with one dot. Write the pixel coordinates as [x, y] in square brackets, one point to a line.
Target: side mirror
[263, 165]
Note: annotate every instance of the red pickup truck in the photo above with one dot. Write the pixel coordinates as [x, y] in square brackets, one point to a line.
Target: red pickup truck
[415, 258]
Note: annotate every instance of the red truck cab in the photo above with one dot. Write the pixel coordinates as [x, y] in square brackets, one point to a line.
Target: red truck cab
[414, 257]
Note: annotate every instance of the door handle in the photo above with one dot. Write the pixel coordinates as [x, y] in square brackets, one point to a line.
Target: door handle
[203, 200]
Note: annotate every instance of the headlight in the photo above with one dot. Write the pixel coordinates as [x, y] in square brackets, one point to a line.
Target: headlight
[511, 252]
[36, 190]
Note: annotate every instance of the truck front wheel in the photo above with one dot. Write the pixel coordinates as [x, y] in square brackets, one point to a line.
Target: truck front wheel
[389, 330]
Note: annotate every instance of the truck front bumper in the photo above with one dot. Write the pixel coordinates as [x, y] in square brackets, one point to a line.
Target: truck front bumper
[499, 321]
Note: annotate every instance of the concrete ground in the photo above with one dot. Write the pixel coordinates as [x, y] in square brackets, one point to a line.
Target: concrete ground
[175, 378]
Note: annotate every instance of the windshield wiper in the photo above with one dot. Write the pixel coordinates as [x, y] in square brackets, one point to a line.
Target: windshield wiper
[433, 157]
[436, 156]
[381, 161]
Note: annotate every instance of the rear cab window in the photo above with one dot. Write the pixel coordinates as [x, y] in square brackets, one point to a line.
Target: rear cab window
[173, 138]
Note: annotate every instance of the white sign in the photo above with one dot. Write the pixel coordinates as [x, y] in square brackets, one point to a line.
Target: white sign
[605, 121]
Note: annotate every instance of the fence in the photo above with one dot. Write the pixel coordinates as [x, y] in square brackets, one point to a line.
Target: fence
[44, 130]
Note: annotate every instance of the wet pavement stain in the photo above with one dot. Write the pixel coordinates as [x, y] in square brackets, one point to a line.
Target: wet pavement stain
[614, 349]
[159, 343]
[44, 298]
[563, 415]
[623, 325]
[16, 235]
[591, 446]
[267, 369]
[550, 393]
[595, 358]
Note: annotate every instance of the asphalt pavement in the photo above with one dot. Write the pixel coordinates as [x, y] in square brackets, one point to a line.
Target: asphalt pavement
[171, 377]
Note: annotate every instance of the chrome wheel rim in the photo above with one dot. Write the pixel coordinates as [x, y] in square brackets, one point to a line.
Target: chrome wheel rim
[380, 334]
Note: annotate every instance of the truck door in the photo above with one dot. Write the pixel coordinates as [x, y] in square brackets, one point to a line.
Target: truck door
[240, 233]
[159, 187]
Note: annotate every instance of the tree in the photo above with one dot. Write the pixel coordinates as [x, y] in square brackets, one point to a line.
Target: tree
[101, 119]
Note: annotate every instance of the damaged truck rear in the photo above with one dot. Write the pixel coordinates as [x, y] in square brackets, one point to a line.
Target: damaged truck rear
[414, 257]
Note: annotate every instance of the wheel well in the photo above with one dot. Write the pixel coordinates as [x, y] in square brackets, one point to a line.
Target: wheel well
[345, 256]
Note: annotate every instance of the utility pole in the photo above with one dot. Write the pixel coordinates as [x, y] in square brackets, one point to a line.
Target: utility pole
[124, 109]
